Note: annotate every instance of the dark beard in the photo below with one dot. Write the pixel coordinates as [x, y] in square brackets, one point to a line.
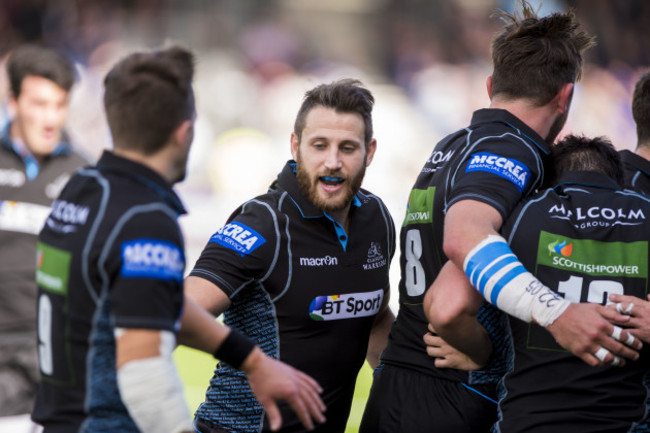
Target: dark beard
[308, 187]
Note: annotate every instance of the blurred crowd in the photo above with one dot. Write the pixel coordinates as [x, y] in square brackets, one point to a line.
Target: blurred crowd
[425, 60]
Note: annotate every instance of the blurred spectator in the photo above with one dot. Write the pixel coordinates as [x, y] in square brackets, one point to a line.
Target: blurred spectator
[36, 161]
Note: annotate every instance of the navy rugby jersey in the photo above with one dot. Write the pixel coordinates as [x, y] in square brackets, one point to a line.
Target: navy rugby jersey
[497, 160]
[637, 171]
[584, 239]
[304, 289]
[110, 255]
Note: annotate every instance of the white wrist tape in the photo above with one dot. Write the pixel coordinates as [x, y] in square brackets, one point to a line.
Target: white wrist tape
[153, 393]
[503, 281]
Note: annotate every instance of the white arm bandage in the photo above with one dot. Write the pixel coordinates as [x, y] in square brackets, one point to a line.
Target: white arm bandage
[503, 281]
[153, 393]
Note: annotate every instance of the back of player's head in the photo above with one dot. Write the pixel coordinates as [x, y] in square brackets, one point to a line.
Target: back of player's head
[641, 109]
[36, 60]
[580, 153]
[534, 57]
[147, 96]
[344, 96]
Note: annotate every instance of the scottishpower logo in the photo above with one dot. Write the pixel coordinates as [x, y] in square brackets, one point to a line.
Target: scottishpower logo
[591, 257]
[561, 248]
[419, 208]
[52, 268]
[348, 306]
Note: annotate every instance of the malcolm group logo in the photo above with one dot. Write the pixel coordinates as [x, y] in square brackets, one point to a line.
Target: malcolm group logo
[561, 248]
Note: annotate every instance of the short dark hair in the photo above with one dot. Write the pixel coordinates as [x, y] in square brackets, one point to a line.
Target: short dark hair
[346, 96]
[148, 95]
[641, 109]
[40, 61]
[534, 57]
[580, 153]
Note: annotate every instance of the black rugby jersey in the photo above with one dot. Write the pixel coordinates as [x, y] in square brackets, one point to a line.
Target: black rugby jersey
[584, 239]
[304, 289]
[110, 255]
[496, 160]
[637, 171]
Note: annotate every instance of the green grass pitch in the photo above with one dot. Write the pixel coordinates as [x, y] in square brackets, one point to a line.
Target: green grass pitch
[196, 370]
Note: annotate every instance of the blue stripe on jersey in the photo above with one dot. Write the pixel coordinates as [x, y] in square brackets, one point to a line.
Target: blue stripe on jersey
[340, 231]
[479, 393]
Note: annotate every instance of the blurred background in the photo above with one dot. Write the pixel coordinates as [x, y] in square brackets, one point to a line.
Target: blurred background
[426, 62]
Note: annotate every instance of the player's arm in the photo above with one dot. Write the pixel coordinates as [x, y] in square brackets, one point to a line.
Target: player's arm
[472, 243]
[379, 333]
[148, 380]
[270, 380]
[451, 305]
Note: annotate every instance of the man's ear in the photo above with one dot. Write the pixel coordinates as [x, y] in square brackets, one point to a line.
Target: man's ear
[488, 85]
[294, 146]
[370, 151]
[184, 134]
[12, 106]
[564, 96]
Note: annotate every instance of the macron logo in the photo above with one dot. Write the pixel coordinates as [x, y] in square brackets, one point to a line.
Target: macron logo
[510, 169]
[319, 261]
[238, 237]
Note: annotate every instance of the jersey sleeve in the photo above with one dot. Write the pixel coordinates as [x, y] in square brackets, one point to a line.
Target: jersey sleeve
[241, 251]
[499, 171]
[147, 263]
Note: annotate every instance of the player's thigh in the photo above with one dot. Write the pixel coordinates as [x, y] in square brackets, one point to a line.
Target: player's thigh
[404, 401]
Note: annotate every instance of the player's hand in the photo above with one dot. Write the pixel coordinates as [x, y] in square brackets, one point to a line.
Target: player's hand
[638, 313]
[588, 331]
[272, 380]
[447, 356]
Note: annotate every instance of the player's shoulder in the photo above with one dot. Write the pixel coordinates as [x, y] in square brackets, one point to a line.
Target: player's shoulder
[374, 210]
[262, 215]
[370, 199]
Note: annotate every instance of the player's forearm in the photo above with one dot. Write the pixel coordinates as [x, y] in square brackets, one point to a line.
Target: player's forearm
[471, 241]
[451, 305]
[148, 380]
[199, 328]
[468, 336]
[467, 223]
[379, 336]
